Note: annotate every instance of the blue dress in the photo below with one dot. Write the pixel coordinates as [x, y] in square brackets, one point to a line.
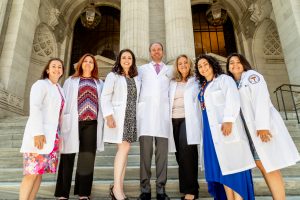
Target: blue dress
[240, 182]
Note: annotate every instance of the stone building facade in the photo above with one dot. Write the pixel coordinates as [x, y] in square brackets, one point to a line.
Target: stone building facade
[267, 32]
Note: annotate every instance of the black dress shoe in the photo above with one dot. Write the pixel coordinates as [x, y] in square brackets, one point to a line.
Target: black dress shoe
[163, 196]
[144, 196]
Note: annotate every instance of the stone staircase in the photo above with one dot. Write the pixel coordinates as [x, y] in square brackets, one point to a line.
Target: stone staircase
[11, 131]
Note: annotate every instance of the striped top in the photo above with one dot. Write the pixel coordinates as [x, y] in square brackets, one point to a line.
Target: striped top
[87, 99]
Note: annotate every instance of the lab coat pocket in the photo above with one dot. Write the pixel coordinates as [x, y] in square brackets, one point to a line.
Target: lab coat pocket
[218, 97]
[231, 138]
[117, 113]
[277, 123]
[140, 110]
[66, 123]
[109, 134]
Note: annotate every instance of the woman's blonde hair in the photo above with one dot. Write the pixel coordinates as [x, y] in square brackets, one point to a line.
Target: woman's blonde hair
[177, 75]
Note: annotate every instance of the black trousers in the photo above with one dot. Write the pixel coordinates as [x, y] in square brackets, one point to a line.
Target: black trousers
[161, 163]
[85, 163]
[187, 159]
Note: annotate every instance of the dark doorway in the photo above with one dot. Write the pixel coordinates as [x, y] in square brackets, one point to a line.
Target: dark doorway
[211, 39]
[104, 40]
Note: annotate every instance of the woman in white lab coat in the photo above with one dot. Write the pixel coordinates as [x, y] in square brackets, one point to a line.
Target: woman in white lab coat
[40, 146]
[82, 129]
[227, 155]
[186, 116]
[119, 101]
[267, 133]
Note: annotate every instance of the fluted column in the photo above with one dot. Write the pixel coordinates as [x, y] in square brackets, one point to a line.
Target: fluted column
[3, 5]
[179, 29]
[134, 33]
[16, 52]
[287, 15]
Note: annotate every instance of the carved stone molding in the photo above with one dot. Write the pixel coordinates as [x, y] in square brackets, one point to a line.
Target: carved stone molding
[260, 10]
[53, 18]
[11, 102]
[44, 42]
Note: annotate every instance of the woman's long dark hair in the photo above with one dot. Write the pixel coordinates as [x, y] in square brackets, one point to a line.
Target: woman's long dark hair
[243, 60]
[213, 62]
[118, 69]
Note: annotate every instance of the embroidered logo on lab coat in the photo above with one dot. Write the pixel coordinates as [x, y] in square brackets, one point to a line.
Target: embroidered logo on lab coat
[253, 79]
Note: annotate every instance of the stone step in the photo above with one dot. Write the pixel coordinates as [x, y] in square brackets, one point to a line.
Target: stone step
[7, 151]
[12, 158]
[18, 119]
[16, 133]
[7, 127]
[131, 187]
[21, 120]
[18, 125]
[291, 115]
[14, 140]
[103, 161]
[132, 173]
[110, 149]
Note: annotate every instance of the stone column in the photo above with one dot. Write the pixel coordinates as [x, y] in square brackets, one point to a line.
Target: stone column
[179, 29]
[15, 57]
[3, 5]
[134, 31]
[287, 15]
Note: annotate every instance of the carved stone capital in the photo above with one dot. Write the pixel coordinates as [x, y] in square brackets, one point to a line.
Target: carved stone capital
[260, 9]
[53, 18]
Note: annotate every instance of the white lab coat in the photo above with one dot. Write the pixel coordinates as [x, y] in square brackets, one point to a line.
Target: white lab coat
[45, 103]
[70, 131]
[113, 102]
[192, 110]
[260, 114]
[222, 103]
[153, 117]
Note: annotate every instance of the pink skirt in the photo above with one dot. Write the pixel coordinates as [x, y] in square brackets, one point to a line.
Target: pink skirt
[41, 163]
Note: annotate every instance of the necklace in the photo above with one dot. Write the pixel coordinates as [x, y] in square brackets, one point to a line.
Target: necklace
[201, 94]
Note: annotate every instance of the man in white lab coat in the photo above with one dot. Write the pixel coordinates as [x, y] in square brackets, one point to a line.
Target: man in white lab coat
[153, 122]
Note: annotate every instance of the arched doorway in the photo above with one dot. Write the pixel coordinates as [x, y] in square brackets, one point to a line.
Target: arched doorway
[211, 39]
[103, 40]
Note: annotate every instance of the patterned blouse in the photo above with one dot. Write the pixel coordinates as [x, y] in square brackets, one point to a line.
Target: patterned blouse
[87, 99]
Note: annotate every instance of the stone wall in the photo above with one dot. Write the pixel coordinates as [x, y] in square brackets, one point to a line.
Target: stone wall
[287, 15]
